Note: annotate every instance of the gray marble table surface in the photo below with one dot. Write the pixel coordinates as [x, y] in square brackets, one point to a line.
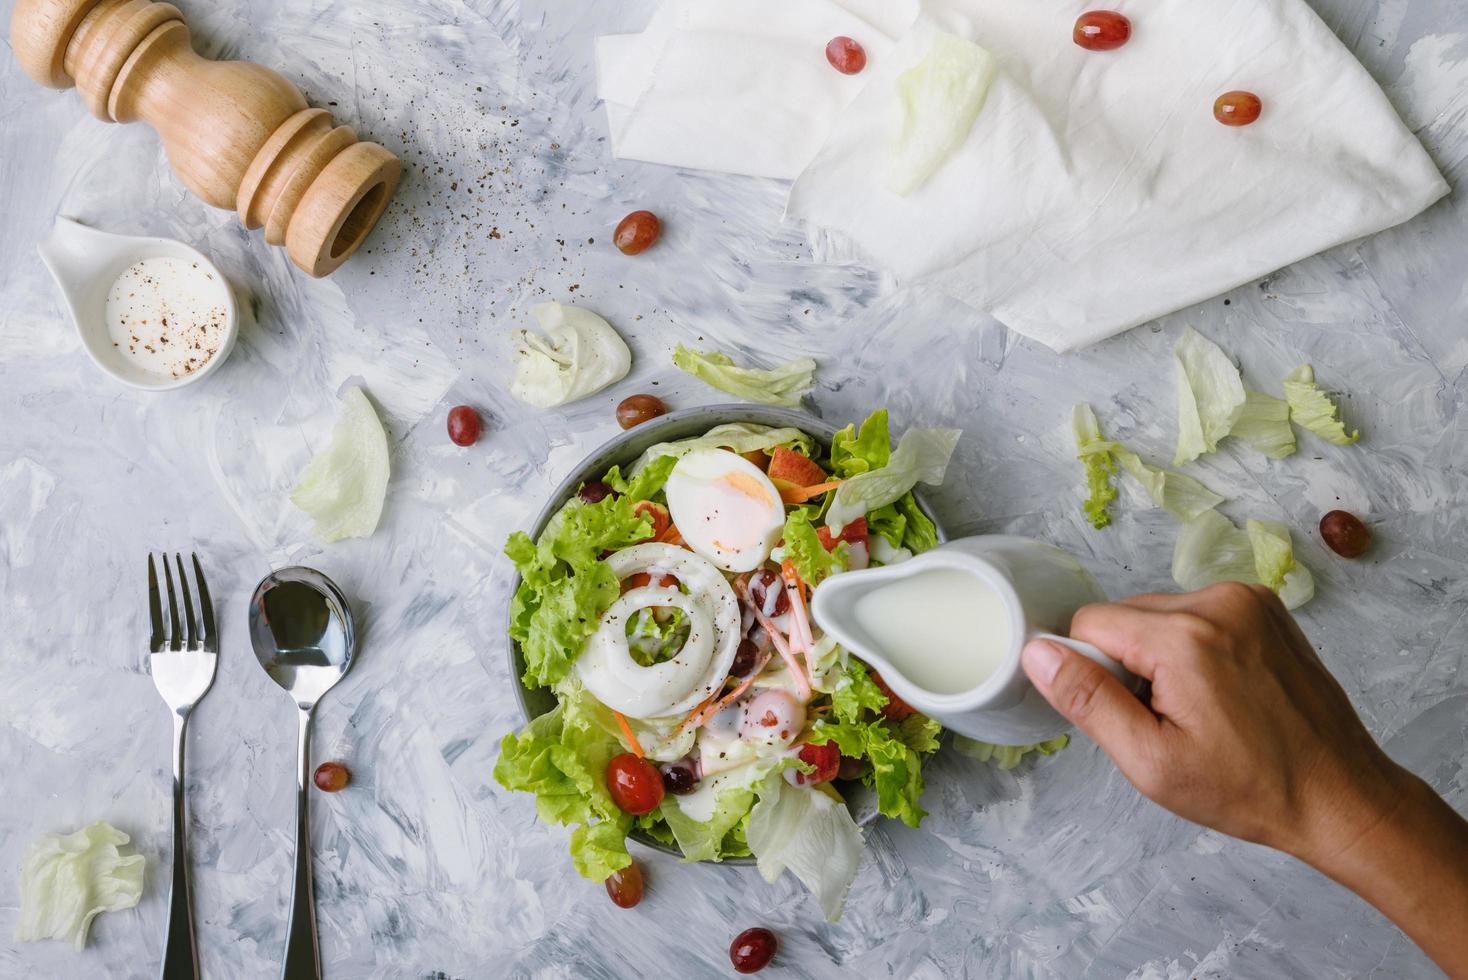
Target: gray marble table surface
[424, 867]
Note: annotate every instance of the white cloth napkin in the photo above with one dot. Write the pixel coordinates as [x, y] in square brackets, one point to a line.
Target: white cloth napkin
[1095, 191]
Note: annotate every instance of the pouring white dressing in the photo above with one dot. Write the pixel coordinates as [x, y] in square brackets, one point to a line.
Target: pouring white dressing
[947, 631]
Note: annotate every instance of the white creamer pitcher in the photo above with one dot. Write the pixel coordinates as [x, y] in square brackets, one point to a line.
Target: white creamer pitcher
[1039, 588]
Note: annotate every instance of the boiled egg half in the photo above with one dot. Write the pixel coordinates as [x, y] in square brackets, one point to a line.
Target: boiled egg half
[726, 508]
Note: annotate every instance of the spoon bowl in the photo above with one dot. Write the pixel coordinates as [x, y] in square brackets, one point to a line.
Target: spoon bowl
[301, 630]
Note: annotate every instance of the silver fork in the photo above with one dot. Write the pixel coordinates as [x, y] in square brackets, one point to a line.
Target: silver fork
[182, 666]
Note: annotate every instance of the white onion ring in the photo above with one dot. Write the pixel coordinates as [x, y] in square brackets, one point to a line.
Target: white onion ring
[678, 685]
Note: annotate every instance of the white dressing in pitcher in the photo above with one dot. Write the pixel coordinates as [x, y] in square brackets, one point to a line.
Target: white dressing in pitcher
[945, 630]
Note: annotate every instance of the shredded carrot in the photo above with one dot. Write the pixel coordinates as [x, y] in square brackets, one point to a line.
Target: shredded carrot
[791, 494]
[632, 742]
[671, 536]
[802, 682]
[697, 708]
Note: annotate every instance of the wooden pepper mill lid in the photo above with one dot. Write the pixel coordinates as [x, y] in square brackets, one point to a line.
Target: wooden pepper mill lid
[238, 135]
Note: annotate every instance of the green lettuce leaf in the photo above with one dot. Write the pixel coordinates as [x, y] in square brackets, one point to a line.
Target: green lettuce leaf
[938, 98]
[1210, 396]
[1177, 493]
[1211, 549]
[1097, 455]
[562, 758]
[855, 692]
[856, 451]
[919, 534]
[896, 770]
[1275, 564]
[704, 840]
[646, 483]
[67, 879]
[1311, 408]
[1265, 424]
[344, 485]
[921, 456]
[783, 385]
[1006, 756]
[803, 549]
[738, 437]
[810, 834]
[919, 733]
[564, 586]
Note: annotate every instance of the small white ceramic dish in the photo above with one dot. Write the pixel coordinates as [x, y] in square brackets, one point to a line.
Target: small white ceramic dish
[85, 262]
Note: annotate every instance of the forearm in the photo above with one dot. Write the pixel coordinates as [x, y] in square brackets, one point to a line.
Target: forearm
[1412, 865]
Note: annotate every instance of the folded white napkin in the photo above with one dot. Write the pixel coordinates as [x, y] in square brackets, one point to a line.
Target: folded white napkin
[1095, 191]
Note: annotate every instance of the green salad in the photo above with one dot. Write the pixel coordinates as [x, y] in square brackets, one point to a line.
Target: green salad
[697, 702]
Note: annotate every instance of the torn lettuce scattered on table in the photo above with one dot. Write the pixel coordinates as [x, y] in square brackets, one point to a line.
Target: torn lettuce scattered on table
[576, 355]
[1311, 408]
[783, 385]
[67, 879]
[1210, 548]
[344, 486]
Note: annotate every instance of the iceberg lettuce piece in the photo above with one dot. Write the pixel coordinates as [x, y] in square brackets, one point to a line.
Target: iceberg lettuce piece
[938, 100]
[344, 485]
[1275, 564]
[1006, 756]
[1311, 408]
[1210, 548]
[579, 355]
[737, 437]
[67, 879]
[1177, 493]
[921, 456]
[782, 386]
[1210, 396]
[1265, 424]
[801, 829]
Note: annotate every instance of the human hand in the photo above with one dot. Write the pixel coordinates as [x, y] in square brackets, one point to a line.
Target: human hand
[1247, 732]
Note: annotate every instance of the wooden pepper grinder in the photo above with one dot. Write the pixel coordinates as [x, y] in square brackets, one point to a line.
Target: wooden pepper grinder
[238, 135]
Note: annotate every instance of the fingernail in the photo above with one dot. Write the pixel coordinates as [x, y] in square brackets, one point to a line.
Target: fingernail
[1042, 660]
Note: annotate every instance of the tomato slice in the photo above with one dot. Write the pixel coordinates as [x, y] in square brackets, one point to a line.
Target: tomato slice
[895, 709]
[854, 533]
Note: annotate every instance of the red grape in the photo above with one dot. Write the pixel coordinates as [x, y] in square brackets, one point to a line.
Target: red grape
[331, 777]
[845, 55]
[680, 778]
[464, 425]
[624, 886]
[1237, 108]
[636, 232]
[752, 950]
[1344, 533]
[767, 593]
[637, 409]
[635, 784]
[744, 658]
[1101, 30]
[594, 492]
[850, 768]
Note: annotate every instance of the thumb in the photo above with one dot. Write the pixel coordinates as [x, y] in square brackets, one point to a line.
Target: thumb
[1090, 697]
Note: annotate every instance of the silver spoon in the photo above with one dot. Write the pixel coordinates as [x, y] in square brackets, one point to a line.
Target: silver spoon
[301, 629]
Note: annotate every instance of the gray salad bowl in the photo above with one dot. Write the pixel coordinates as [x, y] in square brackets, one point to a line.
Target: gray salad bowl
[624, 450]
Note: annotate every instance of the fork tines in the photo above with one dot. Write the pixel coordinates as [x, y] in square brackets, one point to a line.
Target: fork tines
[174, 637]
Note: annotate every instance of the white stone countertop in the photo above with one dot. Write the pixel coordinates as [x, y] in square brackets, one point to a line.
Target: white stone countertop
[424, 866]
